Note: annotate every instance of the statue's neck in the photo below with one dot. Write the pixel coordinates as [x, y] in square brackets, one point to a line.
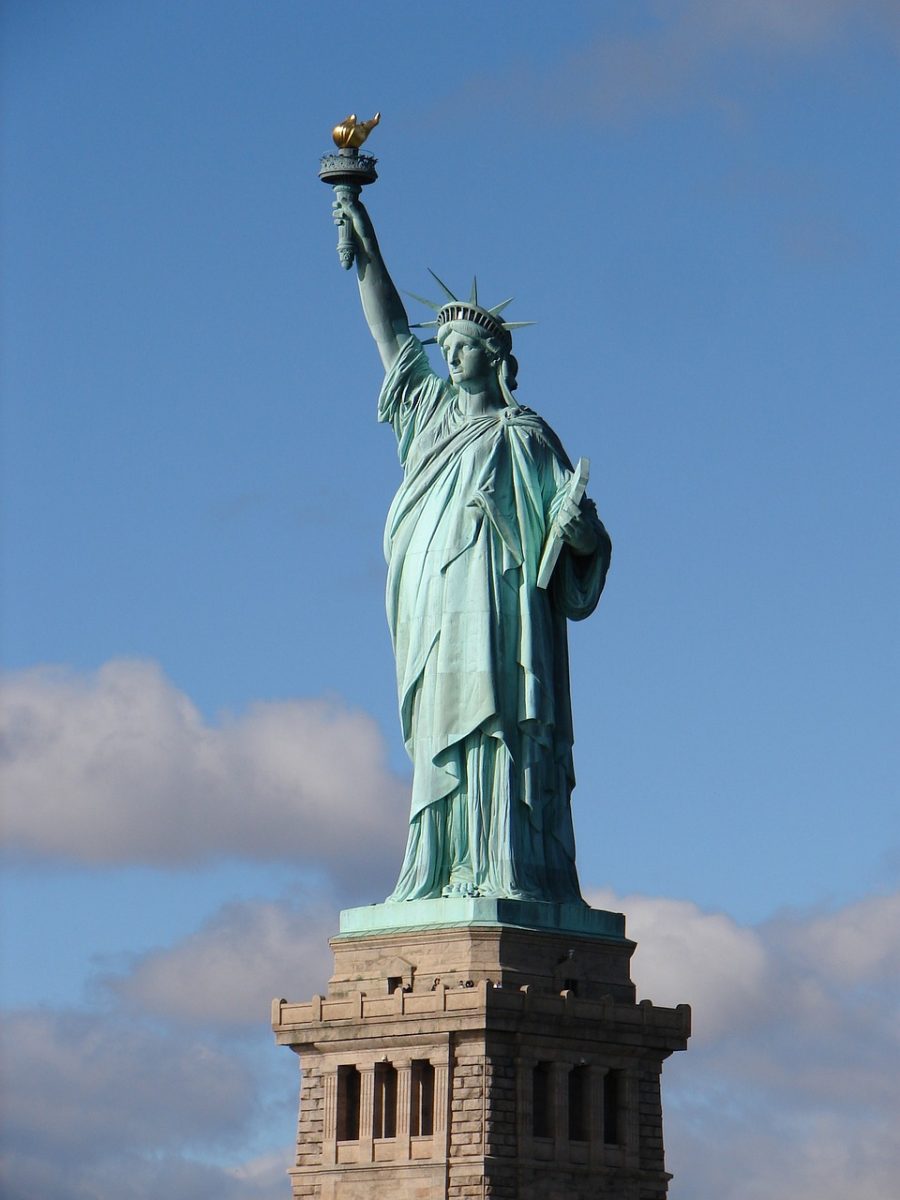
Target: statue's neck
[479, 401]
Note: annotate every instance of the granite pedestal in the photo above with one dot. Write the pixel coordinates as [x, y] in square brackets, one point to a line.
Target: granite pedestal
[480, 1049]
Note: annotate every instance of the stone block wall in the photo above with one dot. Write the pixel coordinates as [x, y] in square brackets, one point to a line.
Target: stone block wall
[483, 1139]
[533, 1094]
[310, 1125]
[650, 1122]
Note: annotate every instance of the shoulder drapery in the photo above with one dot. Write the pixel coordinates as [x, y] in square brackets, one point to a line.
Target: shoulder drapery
[478, 645]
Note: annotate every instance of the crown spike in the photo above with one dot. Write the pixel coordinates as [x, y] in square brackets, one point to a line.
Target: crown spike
[498, 308]
[449, 294]
[421, 299]
[454, 309]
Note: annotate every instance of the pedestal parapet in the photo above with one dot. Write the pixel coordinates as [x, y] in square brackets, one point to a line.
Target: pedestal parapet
[480, 1060]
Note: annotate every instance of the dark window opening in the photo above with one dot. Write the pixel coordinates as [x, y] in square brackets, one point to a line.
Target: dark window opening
[384, 1121]
[570, 985]
[348, 1104]
[395, 983]
[421, 1116]
[579, 1104]
[612, 1104]
[542, 1100]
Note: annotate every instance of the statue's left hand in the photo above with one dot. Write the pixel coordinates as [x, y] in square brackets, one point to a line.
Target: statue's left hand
[576, 526]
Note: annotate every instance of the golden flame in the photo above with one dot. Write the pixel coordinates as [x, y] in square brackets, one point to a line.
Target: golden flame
[351, 132]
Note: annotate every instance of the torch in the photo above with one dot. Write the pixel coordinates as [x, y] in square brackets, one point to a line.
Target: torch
[347, 172]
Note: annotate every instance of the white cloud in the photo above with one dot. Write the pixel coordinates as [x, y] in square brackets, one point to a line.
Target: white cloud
[98, 1081]
[789, 1085]
[738, 1151]
[266, 1172]
[685, 955]
[120, 767]
[229, 971]
[135, 1176]
[109, 1104]
[858, 945]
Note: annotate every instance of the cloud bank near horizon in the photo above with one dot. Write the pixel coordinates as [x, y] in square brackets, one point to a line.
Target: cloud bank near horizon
[787, 1086]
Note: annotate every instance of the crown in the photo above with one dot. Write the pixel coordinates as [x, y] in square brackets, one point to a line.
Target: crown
[455, 309]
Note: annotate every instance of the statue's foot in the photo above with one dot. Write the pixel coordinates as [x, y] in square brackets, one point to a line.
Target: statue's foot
[462, 887]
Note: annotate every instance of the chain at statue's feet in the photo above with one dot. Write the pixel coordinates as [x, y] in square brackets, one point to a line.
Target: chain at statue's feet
[467, 889]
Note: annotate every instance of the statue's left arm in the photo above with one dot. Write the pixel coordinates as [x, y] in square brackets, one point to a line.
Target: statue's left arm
[580, 573]
[580, 527]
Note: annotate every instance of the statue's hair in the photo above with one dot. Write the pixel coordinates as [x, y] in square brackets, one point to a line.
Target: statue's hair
[499, 352]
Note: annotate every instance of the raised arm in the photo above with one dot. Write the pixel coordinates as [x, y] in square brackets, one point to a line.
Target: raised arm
[381, 301]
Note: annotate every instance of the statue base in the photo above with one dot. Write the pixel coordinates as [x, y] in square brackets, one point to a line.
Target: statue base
[500, 1056]
[462, 911]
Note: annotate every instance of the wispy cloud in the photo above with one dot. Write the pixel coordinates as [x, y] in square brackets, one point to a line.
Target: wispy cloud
[682, 57]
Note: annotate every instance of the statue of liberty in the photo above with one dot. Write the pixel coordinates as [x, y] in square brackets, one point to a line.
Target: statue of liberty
[491, 547]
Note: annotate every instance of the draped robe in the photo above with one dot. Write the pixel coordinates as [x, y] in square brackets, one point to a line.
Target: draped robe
[481, 651]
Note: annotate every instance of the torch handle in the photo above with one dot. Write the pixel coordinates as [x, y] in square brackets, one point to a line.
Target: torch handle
[346, 247]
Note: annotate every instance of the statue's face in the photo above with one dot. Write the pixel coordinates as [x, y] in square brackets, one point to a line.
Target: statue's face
[468, 360]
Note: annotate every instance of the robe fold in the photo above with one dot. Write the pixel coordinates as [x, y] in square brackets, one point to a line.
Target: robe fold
[482, 660]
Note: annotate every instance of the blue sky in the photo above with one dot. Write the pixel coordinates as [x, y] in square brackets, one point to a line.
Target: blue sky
[696, 202]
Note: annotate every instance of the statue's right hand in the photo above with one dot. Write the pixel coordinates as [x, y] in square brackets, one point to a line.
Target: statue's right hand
[347, 210]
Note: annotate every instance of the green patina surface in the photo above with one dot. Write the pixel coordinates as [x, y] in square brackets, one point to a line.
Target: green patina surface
[491, 549]
[457, 911]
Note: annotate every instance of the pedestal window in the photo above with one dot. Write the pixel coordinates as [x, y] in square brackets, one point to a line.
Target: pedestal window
[613, 1098]
[348, 1097]
[579, 1104]
[384, 1111]
[542, 1100]
[421, 1116]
